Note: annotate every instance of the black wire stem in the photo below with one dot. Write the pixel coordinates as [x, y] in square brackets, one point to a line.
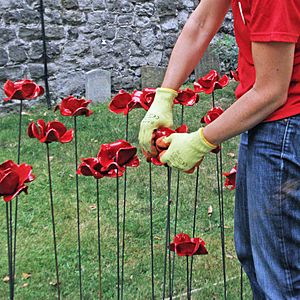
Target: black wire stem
[167, 244]
[194, 221]
[242, 285]
[9, 250]
[151, 230]
[118, 234]
[176, 209]
[187, 279]
[78, 208]
[221, 197]
[53, 222]
[124, 216]
[99, 240]
[17, 198]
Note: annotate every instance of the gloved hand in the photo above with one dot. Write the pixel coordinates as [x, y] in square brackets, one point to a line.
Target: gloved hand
[186, 150]
[158, 115]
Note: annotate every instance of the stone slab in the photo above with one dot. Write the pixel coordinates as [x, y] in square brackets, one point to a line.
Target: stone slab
[209, 61]
[98, 85]
[152, 76]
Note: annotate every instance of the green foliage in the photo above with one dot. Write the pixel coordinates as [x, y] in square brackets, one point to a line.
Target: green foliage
[35, 248]
[227, 49]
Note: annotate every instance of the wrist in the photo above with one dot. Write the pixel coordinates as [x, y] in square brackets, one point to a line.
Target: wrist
[166, 95]
[208, 143]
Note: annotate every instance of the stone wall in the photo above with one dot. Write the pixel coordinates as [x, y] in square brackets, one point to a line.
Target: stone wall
[115, 35]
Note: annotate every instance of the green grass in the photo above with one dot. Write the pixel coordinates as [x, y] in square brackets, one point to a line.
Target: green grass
[35, 248]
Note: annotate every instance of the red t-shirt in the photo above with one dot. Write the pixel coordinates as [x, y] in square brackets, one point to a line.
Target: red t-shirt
[267, 21]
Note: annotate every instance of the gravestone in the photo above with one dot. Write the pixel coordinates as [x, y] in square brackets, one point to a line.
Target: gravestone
[209, 61]
[98, 85]
[152, 77]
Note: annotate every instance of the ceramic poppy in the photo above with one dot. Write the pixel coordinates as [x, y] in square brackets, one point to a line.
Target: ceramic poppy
[72, 107]
[22, 89]
[114, 157]
[120, 103]
[210, 82]
[51, 132]
[90, 167]
[183, 245]
[13, 178]
[235, 75]
[212, 114]
[230, 180]
[186, 97]
[159, 146]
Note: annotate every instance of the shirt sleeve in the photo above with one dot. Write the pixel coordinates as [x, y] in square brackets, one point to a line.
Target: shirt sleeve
[275, 21]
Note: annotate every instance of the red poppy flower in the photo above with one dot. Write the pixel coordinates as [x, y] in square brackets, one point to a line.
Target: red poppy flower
[230, 178]
[186, 97]
[183, 245]
[72, 106]
[114, 157]
[235, 75]
[159, 146]
[212, 114]
[13, 178]
[22, 89]
[120, 103]
[210, 82]
[147, 97]
[51, 132]
[90, 167]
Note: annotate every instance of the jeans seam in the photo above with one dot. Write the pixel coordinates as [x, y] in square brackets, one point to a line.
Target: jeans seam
[288, 274]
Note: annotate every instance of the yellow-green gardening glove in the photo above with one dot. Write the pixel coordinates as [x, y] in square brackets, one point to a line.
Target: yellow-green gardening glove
[186, 150]
[159, 115]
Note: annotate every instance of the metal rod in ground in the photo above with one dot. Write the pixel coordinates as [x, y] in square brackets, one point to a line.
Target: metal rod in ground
[124, 216]
[167, 234]
[99, 241]
[78, 209]
[45, 57]
[118, 235]
[151, 230]
[242, 283]
[9, 258]
[17, 198]
[222, 224]
[176, 210]
[194, 221]
[187, 279]
[53, 222]
[123, 234]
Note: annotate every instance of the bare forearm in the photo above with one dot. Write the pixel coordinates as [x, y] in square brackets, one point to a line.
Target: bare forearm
[193, 40]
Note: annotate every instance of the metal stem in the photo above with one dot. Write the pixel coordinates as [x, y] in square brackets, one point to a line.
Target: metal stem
[53, 222]
[78, 208]
[151, 231]
[118, 236]
[99, 240]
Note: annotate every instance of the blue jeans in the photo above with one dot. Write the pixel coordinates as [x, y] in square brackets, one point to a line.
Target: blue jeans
[267, 209]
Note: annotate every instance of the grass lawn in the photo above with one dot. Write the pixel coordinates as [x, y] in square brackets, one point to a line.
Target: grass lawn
[34, 242]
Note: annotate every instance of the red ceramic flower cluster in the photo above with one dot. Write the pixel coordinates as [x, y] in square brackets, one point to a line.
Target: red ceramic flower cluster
[124, 102]
[184, 245]
[111, 160]
[235, 75]
[212, 114]
[51, 132]
[13, 178]
[73, 107]
[210, 82]
[158, 146]
[230, 178]
[22, 89]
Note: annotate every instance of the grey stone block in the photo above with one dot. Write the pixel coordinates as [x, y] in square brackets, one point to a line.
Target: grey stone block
[209, 61]
[152, 77]
[3, 57]
[98, 85]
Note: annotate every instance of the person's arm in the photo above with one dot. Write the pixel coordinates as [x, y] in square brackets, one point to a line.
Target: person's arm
[195, 37]
[273, 63]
